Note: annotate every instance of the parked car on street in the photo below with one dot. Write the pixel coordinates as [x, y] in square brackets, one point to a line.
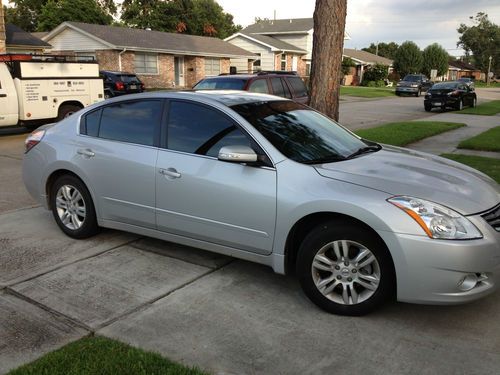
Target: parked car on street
[413, 84]
[468, 81]
[120, 83]
[285, 84]
[450, 94]
[272, 181]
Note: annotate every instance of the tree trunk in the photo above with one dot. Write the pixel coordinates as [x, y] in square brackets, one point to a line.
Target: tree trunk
[328, 45]
[3, 48]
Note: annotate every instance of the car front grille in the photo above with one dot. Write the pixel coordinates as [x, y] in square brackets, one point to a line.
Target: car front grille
[493, 217]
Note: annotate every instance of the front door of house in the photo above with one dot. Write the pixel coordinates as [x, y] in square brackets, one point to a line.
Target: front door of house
[179, 70]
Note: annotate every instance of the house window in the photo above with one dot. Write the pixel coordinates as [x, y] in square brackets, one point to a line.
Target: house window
[212, 67]
[146, 63]
[283, 61]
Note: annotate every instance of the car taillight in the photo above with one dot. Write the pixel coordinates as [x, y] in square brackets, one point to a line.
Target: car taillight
[120, 85]
[33, 139]
[143, 87]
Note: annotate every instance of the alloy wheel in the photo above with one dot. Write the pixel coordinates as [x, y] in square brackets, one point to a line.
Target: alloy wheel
[70, 207]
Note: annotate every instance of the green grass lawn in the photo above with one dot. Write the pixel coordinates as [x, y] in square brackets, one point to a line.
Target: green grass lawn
[487, 109]
[483, 84]
[406, 132]
[367, 92]
[101, 356]
[486, 141]
[489, 166]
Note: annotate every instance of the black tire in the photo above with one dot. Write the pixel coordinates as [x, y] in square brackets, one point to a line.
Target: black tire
[474, 102]
[88, 227]
[107, 94]
[460, 105]
[427, 108]
[336, 231]
[66, 110]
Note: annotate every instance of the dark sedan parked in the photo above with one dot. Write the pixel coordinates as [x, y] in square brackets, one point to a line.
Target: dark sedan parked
[120, 83]
[450, 94]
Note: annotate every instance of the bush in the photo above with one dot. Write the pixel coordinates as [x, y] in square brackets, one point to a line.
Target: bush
[377, 72]
[378, 83]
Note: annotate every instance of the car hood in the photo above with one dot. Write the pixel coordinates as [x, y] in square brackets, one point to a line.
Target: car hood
[399, 171]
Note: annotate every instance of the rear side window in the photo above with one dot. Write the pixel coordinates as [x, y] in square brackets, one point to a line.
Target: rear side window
[220, 84]
[260, 86]
[201, 130]
[280, 88]
[133, 122]
[298, 86]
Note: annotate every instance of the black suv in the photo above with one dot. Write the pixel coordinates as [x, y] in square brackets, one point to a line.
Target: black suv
[285, 84]
[413, 84]
[120, 83]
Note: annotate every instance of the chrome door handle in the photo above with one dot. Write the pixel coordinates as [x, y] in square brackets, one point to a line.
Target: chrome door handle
[170, 172]
[88, 153]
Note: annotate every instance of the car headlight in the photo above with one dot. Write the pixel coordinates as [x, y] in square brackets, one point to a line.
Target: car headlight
[436, 220]
[414, 85]
[398, 84]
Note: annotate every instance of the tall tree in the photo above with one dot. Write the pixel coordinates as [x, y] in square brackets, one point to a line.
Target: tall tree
[196, 17]
[24, 13]
[482, 40]
[387, 50]
[326, 67]
[435, 57]
[408, 59]
[57, 11]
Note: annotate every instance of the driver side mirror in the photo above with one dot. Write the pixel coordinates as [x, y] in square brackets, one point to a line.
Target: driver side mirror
[237, 154]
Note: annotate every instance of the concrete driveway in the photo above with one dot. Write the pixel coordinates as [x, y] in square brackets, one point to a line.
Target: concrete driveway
[225, 315]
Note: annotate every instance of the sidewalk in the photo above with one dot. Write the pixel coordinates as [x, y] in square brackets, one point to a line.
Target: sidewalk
[448, 142]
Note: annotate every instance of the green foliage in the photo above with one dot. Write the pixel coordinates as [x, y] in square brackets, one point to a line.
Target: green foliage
[347, 64]
[102, 356]
[377, 72]
[57, 11]
[196, 17]
[27, 13]
[373, 83]
[406, 132]
[387, 50]
[435, 57]
[482, 40]
[408, 59]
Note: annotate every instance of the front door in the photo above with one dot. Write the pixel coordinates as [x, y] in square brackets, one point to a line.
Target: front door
[201, 197]
[179, 70]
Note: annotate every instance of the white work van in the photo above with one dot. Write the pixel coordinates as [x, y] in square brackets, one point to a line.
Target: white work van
[40, 88]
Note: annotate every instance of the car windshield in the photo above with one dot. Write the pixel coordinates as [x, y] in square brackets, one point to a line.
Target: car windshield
[301, 133]
[128, 78]
[412, 78]
[445, 86]
[220, 84]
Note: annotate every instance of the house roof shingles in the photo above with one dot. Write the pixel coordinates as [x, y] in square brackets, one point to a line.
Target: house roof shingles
[16, 36]
[366, 57]
[298, 25]
[462, 65]
[124, 37]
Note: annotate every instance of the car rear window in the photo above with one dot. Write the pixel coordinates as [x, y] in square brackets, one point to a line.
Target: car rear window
[220, 84]
[128, 78]
[445, 86]
[280, 88]
[298, 86]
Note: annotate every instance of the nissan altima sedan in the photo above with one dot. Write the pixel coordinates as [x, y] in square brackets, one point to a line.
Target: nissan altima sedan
[272, 181]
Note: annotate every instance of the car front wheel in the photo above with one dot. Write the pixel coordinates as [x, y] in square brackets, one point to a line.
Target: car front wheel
[345, 269]
[73, 208]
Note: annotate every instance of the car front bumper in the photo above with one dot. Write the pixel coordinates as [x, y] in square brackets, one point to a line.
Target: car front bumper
[441, 102]
[408, 90]
[431, 271]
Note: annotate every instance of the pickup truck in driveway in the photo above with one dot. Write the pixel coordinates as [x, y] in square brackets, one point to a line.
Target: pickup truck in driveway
[413, 84]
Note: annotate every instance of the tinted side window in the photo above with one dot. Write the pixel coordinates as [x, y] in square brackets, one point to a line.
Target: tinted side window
[134, 122]
[259, 85]
[298, 86]
[277, 86]
[201, 130]
[90, 123]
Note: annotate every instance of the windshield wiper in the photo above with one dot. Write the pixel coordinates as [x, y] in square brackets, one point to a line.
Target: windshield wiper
[364, 150]
[326, 159]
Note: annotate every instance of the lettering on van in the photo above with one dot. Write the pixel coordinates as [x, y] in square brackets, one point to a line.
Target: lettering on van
[68, 86]
[32, 92]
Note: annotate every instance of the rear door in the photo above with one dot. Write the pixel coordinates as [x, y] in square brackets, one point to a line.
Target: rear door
[201, 197]
[9, 110]
[299, 90]
[280, 88]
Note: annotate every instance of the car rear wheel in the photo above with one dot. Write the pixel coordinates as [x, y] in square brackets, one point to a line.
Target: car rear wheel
[428, 108]
[345, 269]
[67, 110]
[460, 105]
[474, 102]
[73, 208]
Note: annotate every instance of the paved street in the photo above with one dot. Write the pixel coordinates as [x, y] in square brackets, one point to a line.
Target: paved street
[224, 315]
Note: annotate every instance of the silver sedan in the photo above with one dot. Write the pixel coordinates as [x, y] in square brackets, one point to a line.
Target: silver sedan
[272, 181]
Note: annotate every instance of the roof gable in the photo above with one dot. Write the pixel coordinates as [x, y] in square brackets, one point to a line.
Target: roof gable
[288, 26]
[16, 36]
[154, 41]
[269, 42]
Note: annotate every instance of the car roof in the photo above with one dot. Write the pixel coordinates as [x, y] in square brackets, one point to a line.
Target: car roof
[225, 97]
[116, 73]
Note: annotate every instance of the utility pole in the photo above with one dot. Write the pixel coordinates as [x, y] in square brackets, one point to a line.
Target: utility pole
[489, 71]
[376, 49]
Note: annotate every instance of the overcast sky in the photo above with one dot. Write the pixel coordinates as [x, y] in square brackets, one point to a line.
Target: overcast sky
[422, 21]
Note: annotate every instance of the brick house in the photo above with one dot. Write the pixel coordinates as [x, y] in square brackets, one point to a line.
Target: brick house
[363, 61]
[283, 44]
[160, 59]
[458, 69]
